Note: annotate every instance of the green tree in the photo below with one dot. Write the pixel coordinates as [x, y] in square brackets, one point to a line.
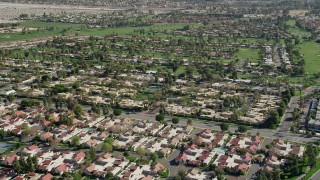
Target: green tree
[107, 147]
[276, 174]
[30, 164]
[224, 126]
[105, 110]
[69, 121]
[310, 154]
[189, 122]
[11, 98]
[92, 153]
[163, 173]
[263, 175]
[182, 173]
[108, 140]
[161, 154]
[17, 167]
[153, 156]
[141, 151]
[29, 103]
[273, 119]
[242, 128]
[296, 113]
[23, 165]
[95, 109]
[87, 160]
[160, 117]
[59, 88]
[3, 134]
[76, 176]
[117, 112]
[35, 161]
[75, 140]
[76, 85]
[175, 120]
[280, 111]
[108, 175]
[78, 110]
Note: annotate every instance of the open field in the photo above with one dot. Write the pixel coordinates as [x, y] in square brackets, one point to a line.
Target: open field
[311, 52]
[295, 30]
[55, 29]
[298, 12]
[127, 30]
[39, 24]
[248, 53]
[45, 30]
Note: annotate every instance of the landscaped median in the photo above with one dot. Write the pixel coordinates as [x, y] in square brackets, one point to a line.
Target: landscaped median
[313, 170]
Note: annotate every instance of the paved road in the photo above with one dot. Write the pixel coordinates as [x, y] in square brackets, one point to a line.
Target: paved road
[253, 170]
[283, 132]
[316, 176]
[287, 117]
[173, 169]
[276, 57]
[268, 133]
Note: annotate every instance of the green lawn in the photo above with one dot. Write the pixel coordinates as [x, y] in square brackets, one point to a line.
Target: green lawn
[180, 70]
[131, 158]
[56, 29]
[143, 96]
[295, 30]
[81, 29]
[50, 24]
[18, 36]
[311, 52]
[122, 31]
[245, 76]
[248, 53]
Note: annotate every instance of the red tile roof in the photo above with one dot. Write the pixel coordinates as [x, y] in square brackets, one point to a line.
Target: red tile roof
[235, 141]
[47, 177]
[46, 162]
[242, 167]
[182, 157]
[33, 147]
[11, 159]
[80, 155]
[62, 168]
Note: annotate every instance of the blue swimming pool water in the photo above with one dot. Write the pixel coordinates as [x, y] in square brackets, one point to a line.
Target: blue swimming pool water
[221, 150]
[87, 129]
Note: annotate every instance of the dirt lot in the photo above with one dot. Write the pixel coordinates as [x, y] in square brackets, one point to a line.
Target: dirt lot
[13, 10]
[299, 12]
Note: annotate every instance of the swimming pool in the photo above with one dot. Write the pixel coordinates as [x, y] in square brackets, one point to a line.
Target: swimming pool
[87, 129]
[221, 150]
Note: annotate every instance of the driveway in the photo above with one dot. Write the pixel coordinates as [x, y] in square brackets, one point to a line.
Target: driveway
[173, 169]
